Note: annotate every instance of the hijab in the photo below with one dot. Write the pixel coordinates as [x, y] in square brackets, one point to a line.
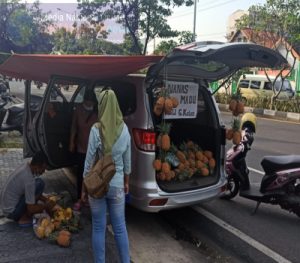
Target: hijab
[110, 119]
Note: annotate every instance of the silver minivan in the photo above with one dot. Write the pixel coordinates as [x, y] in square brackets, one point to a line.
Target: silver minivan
[185, 73]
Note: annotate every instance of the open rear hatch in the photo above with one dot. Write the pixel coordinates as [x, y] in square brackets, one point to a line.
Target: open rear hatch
[194, 158]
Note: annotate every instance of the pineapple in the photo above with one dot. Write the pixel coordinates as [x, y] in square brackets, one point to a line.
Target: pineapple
[165, 167]
[157, 165]
[168, 106]
[236, 105]
[204, 171]
[208, 154]
[175, 102]
[179, 154]
[237, 136]
[229, 134]
[164, 129]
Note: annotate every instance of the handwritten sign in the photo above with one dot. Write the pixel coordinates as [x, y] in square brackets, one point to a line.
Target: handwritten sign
[187, 95]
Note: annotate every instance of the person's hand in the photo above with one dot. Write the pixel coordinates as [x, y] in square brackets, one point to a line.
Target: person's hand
[84, 197]
[50, 203]
[126, 188]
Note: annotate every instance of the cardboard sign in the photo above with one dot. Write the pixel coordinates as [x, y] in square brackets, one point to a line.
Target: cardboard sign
[187, 95]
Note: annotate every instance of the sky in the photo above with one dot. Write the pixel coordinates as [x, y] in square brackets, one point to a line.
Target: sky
[211, 17]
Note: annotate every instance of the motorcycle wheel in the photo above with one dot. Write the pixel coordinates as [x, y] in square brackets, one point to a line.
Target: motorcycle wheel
[232, 188]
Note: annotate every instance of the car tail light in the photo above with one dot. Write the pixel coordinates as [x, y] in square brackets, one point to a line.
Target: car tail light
[158, 202]
[144, 139]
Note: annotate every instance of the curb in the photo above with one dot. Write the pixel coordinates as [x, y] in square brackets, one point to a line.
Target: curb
[271, 114]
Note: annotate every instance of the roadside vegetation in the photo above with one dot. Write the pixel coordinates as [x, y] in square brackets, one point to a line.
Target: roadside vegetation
[292, 105]
[11, 140]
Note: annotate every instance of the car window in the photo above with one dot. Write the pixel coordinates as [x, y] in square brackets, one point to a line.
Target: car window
[79, 96]
[255, 84]
[285, 87]
[125, 92]
[244, 83]
[268, 85]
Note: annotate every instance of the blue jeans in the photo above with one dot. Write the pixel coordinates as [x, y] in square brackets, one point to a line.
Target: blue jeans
[114, 201]
[20, 208]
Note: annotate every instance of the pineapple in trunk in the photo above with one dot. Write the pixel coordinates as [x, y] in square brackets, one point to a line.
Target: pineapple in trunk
[164, 129]
[237, 135]
[179, 154]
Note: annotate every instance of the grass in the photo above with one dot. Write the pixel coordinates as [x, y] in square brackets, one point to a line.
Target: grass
[11, 140]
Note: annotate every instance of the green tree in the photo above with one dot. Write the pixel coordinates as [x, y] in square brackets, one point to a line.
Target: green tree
[23, 28]
[140, 18]
[166, 46]
[84, 39]
[275, 24]
[64, 41]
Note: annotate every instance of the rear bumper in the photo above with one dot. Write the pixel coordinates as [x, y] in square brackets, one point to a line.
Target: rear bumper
[176, 200]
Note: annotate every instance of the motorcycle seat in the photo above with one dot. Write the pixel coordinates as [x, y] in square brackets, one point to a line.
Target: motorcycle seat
[272, 164]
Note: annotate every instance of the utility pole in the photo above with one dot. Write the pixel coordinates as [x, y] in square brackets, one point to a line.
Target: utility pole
[195, 14]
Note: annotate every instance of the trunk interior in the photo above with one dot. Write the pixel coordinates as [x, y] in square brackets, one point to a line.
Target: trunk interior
[205, 132]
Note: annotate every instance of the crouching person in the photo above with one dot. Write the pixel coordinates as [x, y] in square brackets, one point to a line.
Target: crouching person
[24, 189]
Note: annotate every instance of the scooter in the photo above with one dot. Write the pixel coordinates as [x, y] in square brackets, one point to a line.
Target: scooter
[279, 186]
[11, 117]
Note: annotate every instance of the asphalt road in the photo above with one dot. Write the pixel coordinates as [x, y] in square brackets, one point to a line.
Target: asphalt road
[271, 226]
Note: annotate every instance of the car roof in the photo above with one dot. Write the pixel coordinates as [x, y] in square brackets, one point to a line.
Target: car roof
[92, 67]
[258, 77]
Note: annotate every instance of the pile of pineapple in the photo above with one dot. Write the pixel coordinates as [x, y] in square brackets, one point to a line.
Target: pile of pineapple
[236, 106]
[173, 163]
[183, 163]
[59, 227]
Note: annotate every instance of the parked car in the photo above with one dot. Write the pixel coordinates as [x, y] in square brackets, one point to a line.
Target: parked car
[185, 74]
[254, 86]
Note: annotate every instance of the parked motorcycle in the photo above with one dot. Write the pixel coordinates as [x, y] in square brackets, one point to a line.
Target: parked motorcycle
[4, 86]
[11, 116]
[279, 186]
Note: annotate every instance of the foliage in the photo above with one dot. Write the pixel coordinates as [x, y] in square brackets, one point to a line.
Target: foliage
[84, 39]
[292, 105]
[141, 18]
[23, 28]
[277, 17]
[276, 22]
[167, 46]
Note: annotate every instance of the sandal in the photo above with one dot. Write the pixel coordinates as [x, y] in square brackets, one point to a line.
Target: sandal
[25, 224]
